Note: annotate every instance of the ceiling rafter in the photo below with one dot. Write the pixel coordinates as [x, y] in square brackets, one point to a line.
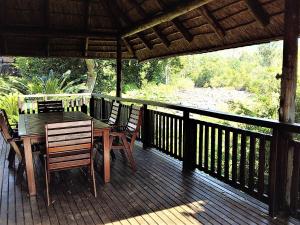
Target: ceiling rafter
[118, 24]
[2, 23]
[47, 24]
[158, 33]
[87, 21]
[176, 23]
[260, 14]
[128, 22]
[51, 33]
[213, 22]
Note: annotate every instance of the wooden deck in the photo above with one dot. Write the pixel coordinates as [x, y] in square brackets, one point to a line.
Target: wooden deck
[158, 193]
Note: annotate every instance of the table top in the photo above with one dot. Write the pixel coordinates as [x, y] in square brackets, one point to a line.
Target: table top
[34, 124]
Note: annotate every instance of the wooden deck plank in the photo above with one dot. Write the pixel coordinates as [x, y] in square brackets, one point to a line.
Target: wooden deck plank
[158, 193]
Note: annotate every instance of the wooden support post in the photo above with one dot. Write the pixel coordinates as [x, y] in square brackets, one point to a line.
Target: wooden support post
[119, 67]
[287, 100]
[146, 127]
[92, 106]
[189, 142]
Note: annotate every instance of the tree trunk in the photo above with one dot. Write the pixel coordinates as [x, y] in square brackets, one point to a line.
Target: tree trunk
[91, 74]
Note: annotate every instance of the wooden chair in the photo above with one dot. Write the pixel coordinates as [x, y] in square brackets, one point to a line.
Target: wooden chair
[69, 145]
[11, 136]
[114, 114]
[50, 106]
[127, 134]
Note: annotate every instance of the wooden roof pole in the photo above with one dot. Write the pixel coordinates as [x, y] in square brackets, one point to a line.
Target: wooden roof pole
[213, 22]
[168, 15]
[258, 12]
[87, 18]
[119, 14]
[118, 24]
[287, 107]
[46, 22]
[158, 33]
[119, 67]
[176, 23]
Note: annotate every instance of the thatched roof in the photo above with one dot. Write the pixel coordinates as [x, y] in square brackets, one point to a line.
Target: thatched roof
[89, 28]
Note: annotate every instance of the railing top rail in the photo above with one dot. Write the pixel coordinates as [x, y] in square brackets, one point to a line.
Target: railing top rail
[54, 95]
[268, 123]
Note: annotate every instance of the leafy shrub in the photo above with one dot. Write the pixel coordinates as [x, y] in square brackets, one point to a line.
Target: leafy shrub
[9, 103]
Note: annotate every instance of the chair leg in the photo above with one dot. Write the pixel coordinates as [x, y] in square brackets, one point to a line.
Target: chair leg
[47, 185]
[129, 153]
[93, 179]
[20, 171]
[112, 154]
[11, 158]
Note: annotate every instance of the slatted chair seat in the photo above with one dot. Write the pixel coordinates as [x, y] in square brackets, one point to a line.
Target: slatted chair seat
[127, 134]
[69, 145]
[50, 106]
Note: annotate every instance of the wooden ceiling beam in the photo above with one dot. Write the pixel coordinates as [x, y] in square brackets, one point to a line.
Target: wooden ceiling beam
[168, 15]
[158, 33]
[145, 42]
[260, 14]
[213, 22]
[38, 32]
[128, 22]
[47, 24]
[182, 29]
[87, 21]
[128, 46]
[118, 24]
[176, 23]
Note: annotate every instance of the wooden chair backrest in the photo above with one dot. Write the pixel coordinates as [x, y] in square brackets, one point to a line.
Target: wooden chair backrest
[114, 113]
[7, 133]
[50, 106]
[6, 129]
[69, 144]
[135, 120]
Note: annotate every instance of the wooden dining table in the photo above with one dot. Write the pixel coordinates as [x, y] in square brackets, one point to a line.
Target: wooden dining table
[32, 131]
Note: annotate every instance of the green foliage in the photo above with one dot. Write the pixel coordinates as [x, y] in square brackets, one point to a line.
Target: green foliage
[46, 84]
[33, 67]
[9, 103]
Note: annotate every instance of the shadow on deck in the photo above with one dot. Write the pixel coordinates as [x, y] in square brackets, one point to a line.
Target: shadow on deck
[158, 193]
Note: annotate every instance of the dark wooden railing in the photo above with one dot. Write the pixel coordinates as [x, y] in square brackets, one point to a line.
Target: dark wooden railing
[295, 186]
[216, 143]
[244, 158]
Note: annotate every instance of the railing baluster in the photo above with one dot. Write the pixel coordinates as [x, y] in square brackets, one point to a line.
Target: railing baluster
[172, 136]
[212, 151]
[234, 157]
[206, 136]
[180, 139]
[243, 160]
[261, 166]
[226, 164]
[176, 138]
[252, 162]
[220, 148]
[167, 128]
[156, 130]
[200, 148]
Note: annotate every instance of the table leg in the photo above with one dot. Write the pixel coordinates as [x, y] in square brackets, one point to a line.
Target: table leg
[106, 156]
[29, 166]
